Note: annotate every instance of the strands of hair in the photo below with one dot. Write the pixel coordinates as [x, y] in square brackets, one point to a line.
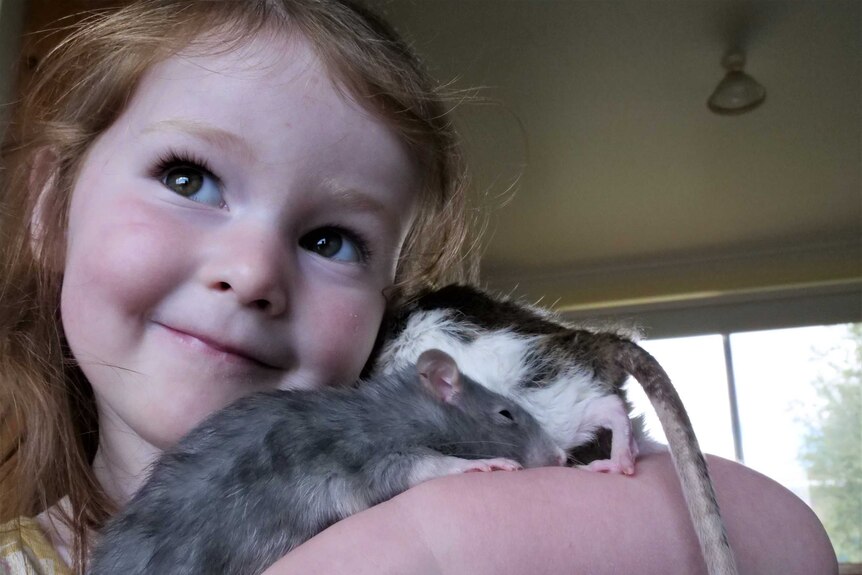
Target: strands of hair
[48, 428]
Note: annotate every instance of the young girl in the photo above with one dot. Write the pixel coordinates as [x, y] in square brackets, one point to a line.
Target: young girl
[204, 199]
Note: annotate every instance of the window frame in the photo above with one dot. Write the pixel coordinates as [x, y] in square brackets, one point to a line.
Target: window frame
[730, 312]
[727, 313]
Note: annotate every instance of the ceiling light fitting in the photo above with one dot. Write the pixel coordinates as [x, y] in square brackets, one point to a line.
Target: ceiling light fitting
[737, 92]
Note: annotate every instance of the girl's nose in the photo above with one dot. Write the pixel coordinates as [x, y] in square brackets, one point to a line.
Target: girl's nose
[251, 265]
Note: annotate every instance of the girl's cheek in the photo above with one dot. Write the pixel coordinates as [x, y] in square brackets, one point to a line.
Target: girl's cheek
[118, 265]
[125, 252]
[347, 337]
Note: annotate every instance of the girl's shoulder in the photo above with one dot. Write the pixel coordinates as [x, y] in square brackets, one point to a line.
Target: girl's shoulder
[24, 549]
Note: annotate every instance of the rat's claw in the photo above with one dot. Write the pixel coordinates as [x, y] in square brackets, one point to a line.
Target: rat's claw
[496, 464]
[624, 466]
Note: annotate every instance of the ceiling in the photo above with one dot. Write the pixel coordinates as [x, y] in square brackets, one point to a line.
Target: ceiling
[609, 180]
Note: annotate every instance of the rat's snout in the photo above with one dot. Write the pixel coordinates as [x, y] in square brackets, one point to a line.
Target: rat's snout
[549, 455]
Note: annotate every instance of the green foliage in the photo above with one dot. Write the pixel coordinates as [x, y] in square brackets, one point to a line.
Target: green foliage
[832, 450]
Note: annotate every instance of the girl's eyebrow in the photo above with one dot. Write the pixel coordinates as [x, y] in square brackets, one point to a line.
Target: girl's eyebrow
[357, 200]
[232, 143]
[227, 141]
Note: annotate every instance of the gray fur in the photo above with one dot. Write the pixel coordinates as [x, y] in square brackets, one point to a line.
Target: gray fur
[270, 471]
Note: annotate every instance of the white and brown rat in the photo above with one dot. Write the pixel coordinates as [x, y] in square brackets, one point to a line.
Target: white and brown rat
[570, 379]
[270, 471]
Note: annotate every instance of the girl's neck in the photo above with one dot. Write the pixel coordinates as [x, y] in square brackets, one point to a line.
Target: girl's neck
[120, 475]
[122, 460]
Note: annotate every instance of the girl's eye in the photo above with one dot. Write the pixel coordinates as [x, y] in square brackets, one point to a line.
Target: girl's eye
[193, 182]
[335, 244]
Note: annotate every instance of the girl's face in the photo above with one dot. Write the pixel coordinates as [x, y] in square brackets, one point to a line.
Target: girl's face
[233, 231]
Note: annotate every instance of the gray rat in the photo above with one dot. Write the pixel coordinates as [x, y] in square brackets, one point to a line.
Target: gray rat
[571, 379]
[270, 471]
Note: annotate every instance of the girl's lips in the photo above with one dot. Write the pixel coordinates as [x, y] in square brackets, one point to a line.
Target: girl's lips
[214, 348]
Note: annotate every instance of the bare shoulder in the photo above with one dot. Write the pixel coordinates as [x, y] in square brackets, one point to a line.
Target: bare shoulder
[772, 529]
[559, 520]
[553, 519]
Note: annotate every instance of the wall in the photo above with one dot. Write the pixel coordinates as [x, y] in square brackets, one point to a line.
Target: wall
[11, 22]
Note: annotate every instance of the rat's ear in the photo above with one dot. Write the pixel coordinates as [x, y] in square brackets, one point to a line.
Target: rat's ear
[439, 373]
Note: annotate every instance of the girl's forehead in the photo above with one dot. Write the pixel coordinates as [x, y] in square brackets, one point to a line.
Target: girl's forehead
[225, 81]
[268, 101]
[256, 56]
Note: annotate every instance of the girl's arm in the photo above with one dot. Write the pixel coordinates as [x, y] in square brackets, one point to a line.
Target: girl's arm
[558, 520]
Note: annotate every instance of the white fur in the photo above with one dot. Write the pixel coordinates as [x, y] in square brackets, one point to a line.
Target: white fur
[497, 360]
[564, 407]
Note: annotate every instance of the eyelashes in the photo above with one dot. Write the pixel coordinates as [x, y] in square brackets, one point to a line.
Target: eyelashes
[191, 177]
[337, 243]
[174, 158]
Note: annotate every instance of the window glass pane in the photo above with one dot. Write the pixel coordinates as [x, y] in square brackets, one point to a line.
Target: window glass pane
[801, 417]
[696, 368]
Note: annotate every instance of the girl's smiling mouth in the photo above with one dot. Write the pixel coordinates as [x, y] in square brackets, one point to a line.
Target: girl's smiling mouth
[215, 348]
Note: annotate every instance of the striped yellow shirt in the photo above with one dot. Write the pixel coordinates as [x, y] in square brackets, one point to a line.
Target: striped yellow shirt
[24, 549]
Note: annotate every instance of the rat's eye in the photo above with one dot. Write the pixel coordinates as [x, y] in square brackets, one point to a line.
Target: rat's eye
[506, 415]
[190, 179]
[336, 244]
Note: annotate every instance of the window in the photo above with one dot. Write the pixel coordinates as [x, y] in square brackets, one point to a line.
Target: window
[787, 403]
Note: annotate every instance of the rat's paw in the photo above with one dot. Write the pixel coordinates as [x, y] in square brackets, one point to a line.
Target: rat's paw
[620, 466]
[624, 451]
[426, 468]
[496, 464]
